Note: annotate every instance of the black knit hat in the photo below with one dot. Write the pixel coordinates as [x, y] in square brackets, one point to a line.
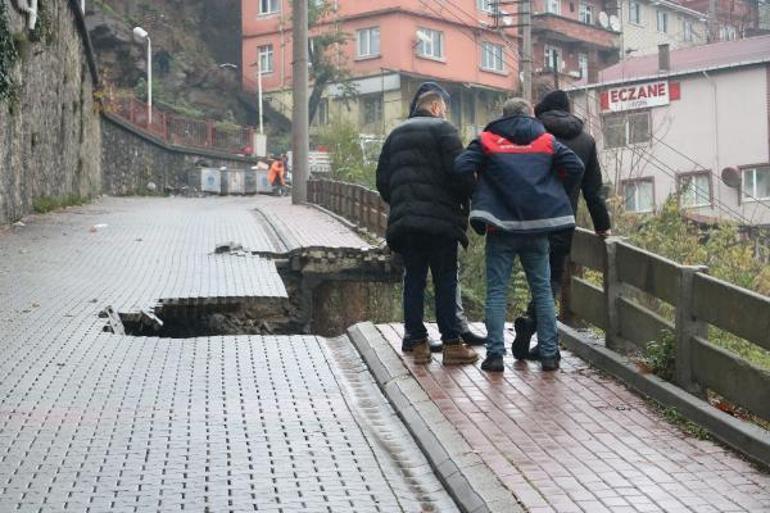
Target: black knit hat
[555, 100]
[428, 87]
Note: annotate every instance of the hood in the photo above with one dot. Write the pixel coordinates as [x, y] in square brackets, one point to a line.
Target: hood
[561, 124]
[517, 129]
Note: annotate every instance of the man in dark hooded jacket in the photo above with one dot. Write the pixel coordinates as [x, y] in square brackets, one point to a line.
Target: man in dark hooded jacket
[519, 199]
[555, 113]
[428, 218]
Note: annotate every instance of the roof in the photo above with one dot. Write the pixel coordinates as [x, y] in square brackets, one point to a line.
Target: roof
[695, 59]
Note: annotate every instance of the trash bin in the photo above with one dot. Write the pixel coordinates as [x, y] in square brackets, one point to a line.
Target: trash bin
[206, 179]
[233, 181]
[250, 181]
[263, 184]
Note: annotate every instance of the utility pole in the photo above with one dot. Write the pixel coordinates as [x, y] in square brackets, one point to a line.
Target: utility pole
[525, 25]
[300, 141]
[713, 23]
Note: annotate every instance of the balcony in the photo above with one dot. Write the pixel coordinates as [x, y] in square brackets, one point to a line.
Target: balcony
[568, 30]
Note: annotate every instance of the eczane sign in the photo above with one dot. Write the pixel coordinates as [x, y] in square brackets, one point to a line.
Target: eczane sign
[638, 96]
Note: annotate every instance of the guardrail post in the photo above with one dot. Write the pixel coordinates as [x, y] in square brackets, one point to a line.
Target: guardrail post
[687, 327]
[612, 293]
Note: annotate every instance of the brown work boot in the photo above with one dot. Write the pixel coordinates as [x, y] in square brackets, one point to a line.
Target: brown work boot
[457, 353]
[421, 352]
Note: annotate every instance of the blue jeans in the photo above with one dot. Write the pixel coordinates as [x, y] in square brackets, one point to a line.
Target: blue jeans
[501, 249]
[440, 256]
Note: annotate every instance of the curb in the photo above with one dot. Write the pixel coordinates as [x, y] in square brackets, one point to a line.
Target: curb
[750, 440]
[470, 482]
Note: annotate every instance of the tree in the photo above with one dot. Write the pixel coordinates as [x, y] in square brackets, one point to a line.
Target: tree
[328, 64]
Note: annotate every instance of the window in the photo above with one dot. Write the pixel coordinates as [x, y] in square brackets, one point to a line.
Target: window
[492, 57]
[486, 5]
[553, 6]
[695, 189]
[638, 195]
[756, 183]
[624, 129]
[583, 64]
[369, 42]
[322, 115]
[552, 56]
[269, 6]
[662, 21]
[635, 12]
[688, 31]
[266, 59]
[371, 109]
[431, 43]
[727, 33]
[586, 14]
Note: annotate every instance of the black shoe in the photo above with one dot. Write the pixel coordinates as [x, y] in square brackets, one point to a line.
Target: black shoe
[493, 364]
[436, 346]
[534, 353]
[472, 339]
[524, 332]
[550, 364]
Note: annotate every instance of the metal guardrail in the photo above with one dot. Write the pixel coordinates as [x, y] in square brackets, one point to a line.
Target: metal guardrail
[699, 300]
[180, 130]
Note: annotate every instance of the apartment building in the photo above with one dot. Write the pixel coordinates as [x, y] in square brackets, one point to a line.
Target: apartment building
[646, 24]
[694, 123]
[393, 46]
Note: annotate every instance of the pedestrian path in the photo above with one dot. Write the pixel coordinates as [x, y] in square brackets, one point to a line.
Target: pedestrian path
[92, 422]
[579, 441]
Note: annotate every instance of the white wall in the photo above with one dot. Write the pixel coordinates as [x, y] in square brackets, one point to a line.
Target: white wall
[720, 121]
[644, 38]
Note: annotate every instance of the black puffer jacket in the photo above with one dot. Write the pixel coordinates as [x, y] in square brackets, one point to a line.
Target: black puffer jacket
[568, 129]
[414, 176]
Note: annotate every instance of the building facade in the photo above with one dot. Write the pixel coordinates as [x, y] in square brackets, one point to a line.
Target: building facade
[392, 46]
[572, 40]
[731, 19]
[664, 132]
[649, 23]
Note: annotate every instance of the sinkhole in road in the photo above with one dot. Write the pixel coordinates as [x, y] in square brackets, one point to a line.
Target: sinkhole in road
[327, 291]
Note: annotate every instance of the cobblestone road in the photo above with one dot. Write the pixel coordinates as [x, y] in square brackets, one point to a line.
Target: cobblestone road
[94, 422]
[577, 441]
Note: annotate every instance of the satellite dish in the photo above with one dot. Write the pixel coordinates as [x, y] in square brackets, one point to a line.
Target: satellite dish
[508, 21]
[615, 23]
[604, 20]
[731, 176]
[422, 36]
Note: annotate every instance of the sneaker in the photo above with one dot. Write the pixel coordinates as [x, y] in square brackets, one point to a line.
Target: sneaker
[493, 364]
[550, 364]
[472, 339]
[436, 346]
[524, 332]
[457, 353]
[421, 352]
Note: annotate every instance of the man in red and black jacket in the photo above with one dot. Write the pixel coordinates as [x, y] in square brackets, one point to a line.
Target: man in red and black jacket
[520, 198]
[554, 111]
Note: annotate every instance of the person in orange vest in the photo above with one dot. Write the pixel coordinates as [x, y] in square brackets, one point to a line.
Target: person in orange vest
[277, 176]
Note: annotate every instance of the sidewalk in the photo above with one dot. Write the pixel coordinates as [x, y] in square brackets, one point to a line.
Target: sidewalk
[578, 441]
[92, 422]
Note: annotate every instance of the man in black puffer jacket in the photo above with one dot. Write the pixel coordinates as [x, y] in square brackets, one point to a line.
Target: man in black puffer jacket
[428, 217]
[555, 113]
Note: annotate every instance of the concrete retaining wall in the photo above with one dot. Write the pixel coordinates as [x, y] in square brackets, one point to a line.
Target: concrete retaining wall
[49, 135]
[132, 158]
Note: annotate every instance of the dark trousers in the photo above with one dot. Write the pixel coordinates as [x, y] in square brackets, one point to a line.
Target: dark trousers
[440, 256]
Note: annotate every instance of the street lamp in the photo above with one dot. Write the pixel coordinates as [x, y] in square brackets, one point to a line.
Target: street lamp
[140, 36]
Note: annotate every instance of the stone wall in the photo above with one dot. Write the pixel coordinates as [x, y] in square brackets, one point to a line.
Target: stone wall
[49, 133]
[132, 159]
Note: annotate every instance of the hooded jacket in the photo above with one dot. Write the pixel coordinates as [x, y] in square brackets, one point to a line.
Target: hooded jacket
[522, 173]
[568, 129]
[414, 176]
